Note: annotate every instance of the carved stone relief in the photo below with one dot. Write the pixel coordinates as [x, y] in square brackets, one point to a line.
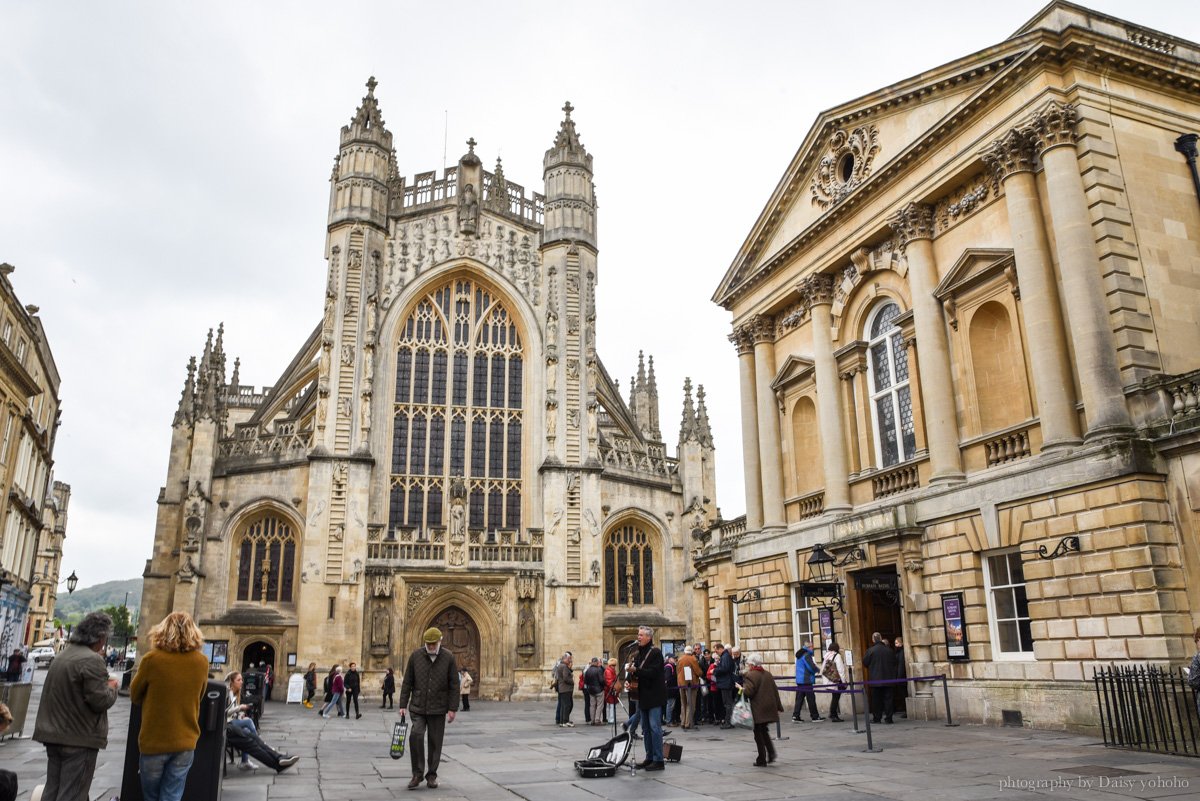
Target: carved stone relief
[845, 165]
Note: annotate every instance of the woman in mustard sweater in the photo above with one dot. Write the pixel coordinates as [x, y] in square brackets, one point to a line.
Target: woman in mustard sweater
[168, 686]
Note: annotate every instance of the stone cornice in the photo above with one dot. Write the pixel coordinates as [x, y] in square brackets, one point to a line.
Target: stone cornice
[1011, 62]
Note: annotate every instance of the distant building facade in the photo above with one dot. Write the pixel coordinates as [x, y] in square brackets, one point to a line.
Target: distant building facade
[29, 416]
[970, 363]
[447, 448]
[47, 566]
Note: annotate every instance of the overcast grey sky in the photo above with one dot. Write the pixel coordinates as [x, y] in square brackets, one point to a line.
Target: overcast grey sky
[164, 167]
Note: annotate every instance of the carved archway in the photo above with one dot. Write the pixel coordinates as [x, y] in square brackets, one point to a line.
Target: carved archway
[461, 636]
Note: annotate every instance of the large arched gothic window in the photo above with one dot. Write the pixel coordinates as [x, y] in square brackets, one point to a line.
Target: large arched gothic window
[458, 411]
[891, 398]
[266, 560]
[628, 567]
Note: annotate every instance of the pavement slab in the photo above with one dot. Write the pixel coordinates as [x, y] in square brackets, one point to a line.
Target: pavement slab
[513, 752]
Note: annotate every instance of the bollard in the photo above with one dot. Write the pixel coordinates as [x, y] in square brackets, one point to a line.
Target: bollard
[946, 696]
[853, 699]
[870, 749]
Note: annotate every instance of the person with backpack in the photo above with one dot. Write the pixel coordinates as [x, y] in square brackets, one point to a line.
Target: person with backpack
[806, 676]
[587, 706]
[593, 693]
[337, 686]
[833, 668]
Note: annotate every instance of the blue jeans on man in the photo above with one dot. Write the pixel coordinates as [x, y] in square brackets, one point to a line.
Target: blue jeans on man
[163, 776]
[652, 729]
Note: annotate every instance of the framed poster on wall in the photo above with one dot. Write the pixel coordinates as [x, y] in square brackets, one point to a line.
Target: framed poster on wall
[825, 621]
[956, 628]
[220, 653]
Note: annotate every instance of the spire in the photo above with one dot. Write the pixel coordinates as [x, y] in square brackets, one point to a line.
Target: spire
[652, 395]
[687, 427]
[567, 136]
[651, 384]
[570, 193]
[641, 374]
[187, 399]
[497, 199]
[235, 381]
[633, 395]
[702, 426]
[367, 123]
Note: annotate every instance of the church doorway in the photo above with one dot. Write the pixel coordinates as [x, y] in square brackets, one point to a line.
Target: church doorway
[256, 653]
[461, 636]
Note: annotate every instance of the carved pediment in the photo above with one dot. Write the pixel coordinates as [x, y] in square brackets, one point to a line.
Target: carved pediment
[975, 266]
[795, 369]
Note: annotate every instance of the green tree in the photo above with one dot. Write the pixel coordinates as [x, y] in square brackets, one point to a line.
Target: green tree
[122, 630]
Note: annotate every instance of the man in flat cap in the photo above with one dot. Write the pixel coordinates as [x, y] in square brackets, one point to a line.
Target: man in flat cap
[430, 696]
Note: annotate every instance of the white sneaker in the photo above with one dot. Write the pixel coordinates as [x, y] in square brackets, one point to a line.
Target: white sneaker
[247, 766]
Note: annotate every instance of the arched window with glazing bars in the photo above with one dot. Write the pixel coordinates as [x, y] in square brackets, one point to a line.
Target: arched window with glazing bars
[266, 560]
[458, 410]
[628, 567]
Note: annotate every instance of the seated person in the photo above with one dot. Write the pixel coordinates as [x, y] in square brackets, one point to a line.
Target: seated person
[8, 779]
[236, 714]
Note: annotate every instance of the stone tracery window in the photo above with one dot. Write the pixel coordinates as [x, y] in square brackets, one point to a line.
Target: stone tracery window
[266, 560]
[891, 396]
[628, 567]
[458, 410]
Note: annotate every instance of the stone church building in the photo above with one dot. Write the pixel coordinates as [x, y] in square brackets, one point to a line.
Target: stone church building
[447, 447]
[967, 326]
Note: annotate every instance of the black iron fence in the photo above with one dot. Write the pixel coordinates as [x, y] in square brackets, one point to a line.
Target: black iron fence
[1147, 708]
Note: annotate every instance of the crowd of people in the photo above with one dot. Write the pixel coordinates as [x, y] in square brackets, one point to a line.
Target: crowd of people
[699, 686]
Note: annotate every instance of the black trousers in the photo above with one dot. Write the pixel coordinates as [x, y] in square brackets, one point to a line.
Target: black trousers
[435, 727]
[69, 772]
[805, 691]
[352, 695]
[762, 741]
[881, 702]
[388, 699]
[466, 702]
[727, 700]
[253, 745]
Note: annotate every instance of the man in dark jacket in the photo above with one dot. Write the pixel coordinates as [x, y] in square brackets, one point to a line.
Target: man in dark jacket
[880, 662]
[72, 720]
[430, 691]
[593, 687]
[725, 677]
[647, 663]
[352, 688]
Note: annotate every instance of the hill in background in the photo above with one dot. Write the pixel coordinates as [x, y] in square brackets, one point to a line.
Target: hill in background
[70, 608]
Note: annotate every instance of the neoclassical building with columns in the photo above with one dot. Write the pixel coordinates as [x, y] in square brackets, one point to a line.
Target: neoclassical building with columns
[966, 324]
[446, 448]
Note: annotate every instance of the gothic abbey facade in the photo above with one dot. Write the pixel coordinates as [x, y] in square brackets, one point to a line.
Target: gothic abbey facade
[446, 448]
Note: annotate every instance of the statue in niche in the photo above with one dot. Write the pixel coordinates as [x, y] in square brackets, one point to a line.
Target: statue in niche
[331, 284]
[372, 282]
[593, 425]
[327, 322]
[370, 324]
[525, 625]
[551, 374]
[551, 419]
[458, 523]
[551, 326]
[364, 413]
[381, 627]
[322, 406]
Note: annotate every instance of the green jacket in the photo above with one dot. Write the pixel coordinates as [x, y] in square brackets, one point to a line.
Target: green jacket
[430, 686]
[76, 697]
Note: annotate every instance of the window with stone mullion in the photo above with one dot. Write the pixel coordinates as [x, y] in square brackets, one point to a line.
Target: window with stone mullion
[891, 396]
[467, 382]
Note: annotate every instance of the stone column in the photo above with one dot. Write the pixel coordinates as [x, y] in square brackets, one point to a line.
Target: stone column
[744, 343]
[769, 451]
[914, 225]
[1011, 159]
[1053, 134]
[817, 291]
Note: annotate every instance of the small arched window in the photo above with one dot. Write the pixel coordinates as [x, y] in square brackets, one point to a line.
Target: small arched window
[266, 560]
[628, 567]
[891, 397]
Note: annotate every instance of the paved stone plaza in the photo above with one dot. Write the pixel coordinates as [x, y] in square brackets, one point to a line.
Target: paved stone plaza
[501, 751]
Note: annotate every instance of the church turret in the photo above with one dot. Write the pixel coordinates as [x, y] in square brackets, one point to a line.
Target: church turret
[643, 400]
[470, 190]
[697, 461]
[570, 192]
[364, 164]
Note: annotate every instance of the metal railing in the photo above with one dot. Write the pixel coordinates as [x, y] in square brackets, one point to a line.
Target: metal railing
[1147, 708]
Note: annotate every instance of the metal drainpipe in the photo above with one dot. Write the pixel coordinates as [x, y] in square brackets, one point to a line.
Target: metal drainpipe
[1186, 144]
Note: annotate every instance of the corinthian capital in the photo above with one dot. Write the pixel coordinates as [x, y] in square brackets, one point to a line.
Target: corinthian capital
[816, 290]
[914, 221]
[762, 328]
[742, 339]
[1011, 153]
[1054, 125]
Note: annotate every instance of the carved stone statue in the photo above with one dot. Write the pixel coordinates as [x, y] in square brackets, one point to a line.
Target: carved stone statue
[458, 523]
[381, 626]
[525, 625]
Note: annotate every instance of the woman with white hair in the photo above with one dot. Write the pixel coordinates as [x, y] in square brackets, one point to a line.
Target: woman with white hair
[759, 686]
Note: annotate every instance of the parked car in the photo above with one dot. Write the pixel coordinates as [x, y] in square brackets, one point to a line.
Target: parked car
[42, 657]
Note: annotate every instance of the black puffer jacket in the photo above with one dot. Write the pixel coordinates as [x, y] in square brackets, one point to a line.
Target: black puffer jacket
[430, 686]
[652, 690]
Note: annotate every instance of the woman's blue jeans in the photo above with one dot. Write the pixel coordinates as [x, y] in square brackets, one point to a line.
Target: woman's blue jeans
[163, 776]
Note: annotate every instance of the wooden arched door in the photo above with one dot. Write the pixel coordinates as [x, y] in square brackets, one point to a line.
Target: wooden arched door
[461, 636]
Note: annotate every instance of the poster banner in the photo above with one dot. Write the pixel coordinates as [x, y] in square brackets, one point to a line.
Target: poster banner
[825, 621]
[956, 630]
